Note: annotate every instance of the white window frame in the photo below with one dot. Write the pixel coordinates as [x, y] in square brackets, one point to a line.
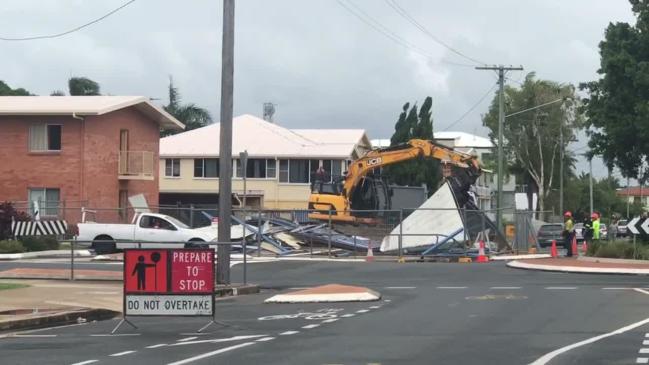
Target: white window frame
[47, 137]
[172, 160]
[44, 207]
[218, 172]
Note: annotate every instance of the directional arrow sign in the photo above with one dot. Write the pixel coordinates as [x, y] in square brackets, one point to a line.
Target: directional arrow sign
[645, 226]
[631, 226]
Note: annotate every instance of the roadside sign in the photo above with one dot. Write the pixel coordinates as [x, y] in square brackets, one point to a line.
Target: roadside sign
[644, 226]
[162, 282]
[632, 225]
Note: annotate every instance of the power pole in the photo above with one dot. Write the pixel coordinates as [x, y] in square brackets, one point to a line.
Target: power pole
[590, 184]
[561, 153]
[225, 147]
[501, 121]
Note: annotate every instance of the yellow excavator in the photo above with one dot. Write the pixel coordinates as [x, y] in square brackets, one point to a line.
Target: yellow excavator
[358, 195]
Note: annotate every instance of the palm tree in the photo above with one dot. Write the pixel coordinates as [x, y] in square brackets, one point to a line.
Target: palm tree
[191, 115]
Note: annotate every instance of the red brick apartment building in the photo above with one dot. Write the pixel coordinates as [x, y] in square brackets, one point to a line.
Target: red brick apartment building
[68, 152]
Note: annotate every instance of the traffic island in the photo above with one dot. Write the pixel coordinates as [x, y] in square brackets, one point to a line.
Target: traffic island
[15, 320]
[584, 265]
[61, 274]
[327, 294]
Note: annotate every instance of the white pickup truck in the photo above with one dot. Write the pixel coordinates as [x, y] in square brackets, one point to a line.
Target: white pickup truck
[148, 230]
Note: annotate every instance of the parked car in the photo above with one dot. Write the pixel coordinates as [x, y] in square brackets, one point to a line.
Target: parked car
[579, 231]
[147, 230]
[622, 230]
[548, 233]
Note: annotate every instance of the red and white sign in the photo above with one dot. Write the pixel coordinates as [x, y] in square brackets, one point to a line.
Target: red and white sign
[169, 282]
[192, 271]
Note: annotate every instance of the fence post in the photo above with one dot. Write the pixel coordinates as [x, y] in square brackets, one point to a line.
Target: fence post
[259, 232]
[245, 251]
[400, 233]
[464, 229]
[74, 239]
[191, 215]
[484, 230]
[329, 235]
[355, 245]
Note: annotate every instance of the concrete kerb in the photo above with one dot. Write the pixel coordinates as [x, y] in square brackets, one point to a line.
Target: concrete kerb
[43, 254]
[576, 269]
[519, 257]
[58, 319]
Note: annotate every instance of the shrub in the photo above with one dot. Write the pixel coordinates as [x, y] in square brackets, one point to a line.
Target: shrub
[8, 246]
[7, 212]
[39, 243]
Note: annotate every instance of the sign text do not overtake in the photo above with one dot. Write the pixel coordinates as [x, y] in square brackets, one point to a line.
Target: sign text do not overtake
[160, 282]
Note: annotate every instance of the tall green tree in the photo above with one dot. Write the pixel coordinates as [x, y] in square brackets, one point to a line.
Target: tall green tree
[191, 115]
[531, 139]
[414, 124]
[83, 86]
[6, 90]
[617, 107]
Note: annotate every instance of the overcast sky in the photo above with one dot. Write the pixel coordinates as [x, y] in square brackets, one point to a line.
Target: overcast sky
[322, 66]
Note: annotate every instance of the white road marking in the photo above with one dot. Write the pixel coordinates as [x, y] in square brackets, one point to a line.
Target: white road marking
[156, 346]
[309, 326]
[646, 334]
[187, 339]
[387, 300]
[644, 351]
[208, 354]
[641, 291]
[400, 287]
[115, 335]
[375, 307]
[505, 287]
[451, 287]
[362, 311]
[85, 362]
[642, 360]
[551, 355]
[264, 339]
[560, 287]
[348, 315]
[122, 353]
[36, 336]
[217, 340]
[645, 342]
[616, 288]
[330, 320]
[288, 333]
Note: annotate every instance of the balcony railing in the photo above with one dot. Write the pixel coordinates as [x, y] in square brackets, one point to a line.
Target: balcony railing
[135, 165]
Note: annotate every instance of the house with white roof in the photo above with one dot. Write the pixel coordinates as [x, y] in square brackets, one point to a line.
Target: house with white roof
[281, 162]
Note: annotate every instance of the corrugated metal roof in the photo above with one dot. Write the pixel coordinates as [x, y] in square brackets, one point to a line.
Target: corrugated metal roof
[460, 139]
[633, 191]
[263, 139]
[85, 106]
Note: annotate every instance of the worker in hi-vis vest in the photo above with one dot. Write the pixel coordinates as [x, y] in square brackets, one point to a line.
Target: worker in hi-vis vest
[568, 232]
[596, 225]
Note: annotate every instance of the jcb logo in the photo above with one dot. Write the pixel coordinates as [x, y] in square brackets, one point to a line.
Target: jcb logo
[374, 161]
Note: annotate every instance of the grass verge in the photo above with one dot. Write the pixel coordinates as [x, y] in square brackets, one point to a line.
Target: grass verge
[9, 286]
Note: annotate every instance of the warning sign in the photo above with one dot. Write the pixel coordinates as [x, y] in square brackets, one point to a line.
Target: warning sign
[169, 282]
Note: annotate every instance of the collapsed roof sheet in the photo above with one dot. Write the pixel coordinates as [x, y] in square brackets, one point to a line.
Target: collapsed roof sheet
[436, 219]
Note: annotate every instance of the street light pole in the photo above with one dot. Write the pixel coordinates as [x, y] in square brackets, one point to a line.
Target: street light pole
[225, 146]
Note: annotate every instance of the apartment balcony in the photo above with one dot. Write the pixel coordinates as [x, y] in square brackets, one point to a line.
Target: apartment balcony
[135, 165]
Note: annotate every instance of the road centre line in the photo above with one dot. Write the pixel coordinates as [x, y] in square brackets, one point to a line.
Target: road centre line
[35, 336]
[451, 287]
[208, 354]
[187, 339]
[122, 353]
[362, 311]
[375, 307]
[617, 288]
[85, 362]
[156, 346]
[288, 333]
[330, 320]
[645, 342]
[560, 287]
[505, 287]
[644, 351]
[551, 355]
[348, 315]
[217, 340]
[114, 335]
[310, 326]
[399, 287]
[646, 334]
[642, 360]
[264, 339]
[641, 291]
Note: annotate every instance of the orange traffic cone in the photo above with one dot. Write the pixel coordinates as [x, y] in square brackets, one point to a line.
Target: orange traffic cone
[370, 253]
[575, 252]
[553, 249]
[584, 247]
[481, 255]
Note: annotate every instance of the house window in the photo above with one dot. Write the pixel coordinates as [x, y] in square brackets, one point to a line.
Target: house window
[271, 169]
[335, 169]
[44, 137]
[44, 201]
[172, 167]
[283, 171]
[206, 167]
[298, 171]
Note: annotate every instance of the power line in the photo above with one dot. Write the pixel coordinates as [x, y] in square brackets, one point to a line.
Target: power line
[472, 108]
[404, 14]
[377, 26]
[57, 35]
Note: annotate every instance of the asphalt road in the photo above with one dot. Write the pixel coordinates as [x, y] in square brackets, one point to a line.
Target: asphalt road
[429, 313]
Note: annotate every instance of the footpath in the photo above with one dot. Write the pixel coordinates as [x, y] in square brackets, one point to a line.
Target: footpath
[583, 264]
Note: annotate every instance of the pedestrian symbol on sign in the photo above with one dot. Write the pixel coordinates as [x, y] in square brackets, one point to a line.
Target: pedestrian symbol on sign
[140, 270]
